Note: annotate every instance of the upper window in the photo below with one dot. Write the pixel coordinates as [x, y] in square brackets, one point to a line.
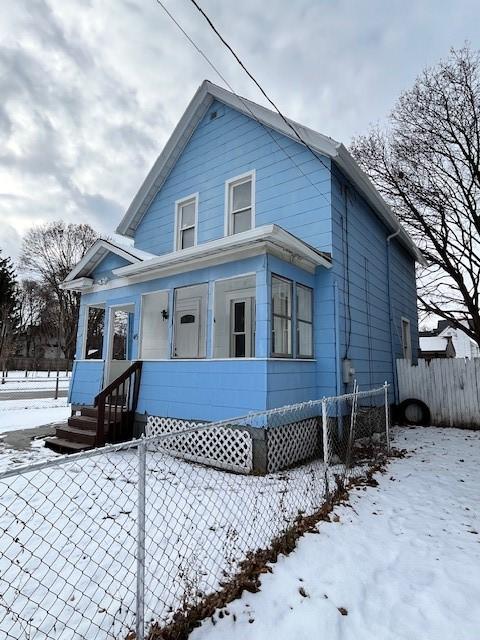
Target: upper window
[304, 321]
[240, 204]
[281, 317]
[186, 223]
[406, 339]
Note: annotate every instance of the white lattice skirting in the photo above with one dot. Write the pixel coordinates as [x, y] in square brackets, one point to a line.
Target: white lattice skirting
[222, 447]
[292, 443]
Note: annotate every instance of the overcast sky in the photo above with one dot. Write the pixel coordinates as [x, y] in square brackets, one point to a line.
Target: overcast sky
[90, 90]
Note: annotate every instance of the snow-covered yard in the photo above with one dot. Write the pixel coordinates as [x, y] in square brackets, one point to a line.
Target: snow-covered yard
[26, 414]
[401, 561]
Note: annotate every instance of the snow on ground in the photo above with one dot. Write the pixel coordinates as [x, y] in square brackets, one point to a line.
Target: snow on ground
[68, 547]
[402, 560]
[25, 414]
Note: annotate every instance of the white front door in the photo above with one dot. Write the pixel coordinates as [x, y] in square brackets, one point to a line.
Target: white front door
[187, 329]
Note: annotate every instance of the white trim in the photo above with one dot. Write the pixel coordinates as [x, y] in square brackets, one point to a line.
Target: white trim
[140, 319]
[403, 319]
[109, 352]
[79, 284]
[324, 145]
[178, 204]
[98, 251]
[219, 359]
[266, 239]
[244, 177]
[96, 305]
[272, 234]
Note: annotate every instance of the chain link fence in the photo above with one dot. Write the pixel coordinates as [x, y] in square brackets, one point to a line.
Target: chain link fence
[32, 387]
[129, 540]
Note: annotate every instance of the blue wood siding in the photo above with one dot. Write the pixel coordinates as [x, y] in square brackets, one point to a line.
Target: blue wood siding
[297, 199]
[203, 389]
[87, 381]
[360, 266]
[105, 267]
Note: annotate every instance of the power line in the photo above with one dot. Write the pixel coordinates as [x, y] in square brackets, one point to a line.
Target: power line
[255, 81]
[245, 102]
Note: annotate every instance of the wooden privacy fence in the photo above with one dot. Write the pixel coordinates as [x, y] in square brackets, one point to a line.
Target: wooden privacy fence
[450, 388]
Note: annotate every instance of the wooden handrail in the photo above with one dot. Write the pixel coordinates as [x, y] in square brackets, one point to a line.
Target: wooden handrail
[128, 402]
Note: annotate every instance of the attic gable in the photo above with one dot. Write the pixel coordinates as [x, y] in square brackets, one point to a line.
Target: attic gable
[105, 256]
[317, 142]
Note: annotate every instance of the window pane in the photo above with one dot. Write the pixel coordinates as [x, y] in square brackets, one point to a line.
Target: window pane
[239, 345]
[187, 214]
[242, 195]
[232, 299]
[281, 296]
[239, 320]
[95, 330]
[304, 303]
[242, 221]
[188, 238]
[281, 336]
[305, 339]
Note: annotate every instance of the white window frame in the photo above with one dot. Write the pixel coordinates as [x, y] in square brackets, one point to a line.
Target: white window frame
[406, 348]
[86, 317]
[229, 184]
[140, 324]
[291, 317]
[298, 321]
[193, 197]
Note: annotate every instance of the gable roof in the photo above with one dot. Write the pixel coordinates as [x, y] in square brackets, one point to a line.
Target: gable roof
[98, 251]
[201, 101]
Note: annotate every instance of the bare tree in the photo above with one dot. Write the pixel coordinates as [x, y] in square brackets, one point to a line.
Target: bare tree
[426, 165]
[38, 316]
[9, 316]
[50, 252]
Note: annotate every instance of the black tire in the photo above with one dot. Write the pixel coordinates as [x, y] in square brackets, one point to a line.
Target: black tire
[423, 420]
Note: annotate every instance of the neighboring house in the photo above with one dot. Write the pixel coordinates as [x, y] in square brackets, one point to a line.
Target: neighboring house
[259, 275]
[435, 341]
[34, 344]
[436, 347]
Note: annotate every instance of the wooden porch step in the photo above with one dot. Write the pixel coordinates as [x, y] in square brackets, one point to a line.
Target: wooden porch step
[87, 423]
[61, 445]
[72, 434]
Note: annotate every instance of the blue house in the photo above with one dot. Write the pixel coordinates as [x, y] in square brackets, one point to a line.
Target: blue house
[261, 274]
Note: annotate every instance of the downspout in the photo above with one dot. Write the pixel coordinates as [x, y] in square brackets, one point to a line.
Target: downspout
[336, 308]
[390, 315]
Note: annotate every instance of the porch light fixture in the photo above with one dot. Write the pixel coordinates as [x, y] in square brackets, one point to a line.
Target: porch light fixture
[165, 314]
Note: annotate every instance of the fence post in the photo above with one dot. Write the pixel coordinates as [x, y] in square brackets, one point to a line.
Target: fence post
[387, 417]
[56, 386]
[326, 444]
[140, 617]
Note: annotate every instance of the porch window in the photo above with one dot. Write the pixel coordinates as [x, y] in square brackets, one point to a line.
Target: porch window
[234, 318]
[154, 326]
[281, 317]
[240, 204]
[304, 321]
[190, 322]
[186, 222]
[406, 339]
[94, 333]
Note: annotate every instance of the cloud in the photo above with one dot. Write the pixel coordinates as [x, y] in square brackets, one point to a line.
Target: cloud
[92, 90]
